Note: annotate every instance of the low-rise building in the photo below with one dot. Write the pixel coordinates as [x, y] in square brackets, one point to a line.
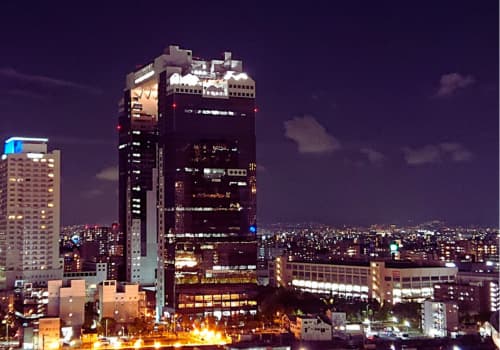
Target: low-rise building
[313, 328]
[93, 275]
[387, 281]
[122, 302]
[30, 302]
[49, 333]
[67, 301]
[439, 318]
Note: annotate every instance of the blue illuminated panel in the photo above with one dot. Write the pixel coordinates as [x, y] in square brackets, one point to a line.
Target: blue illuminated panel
[13, 146]
[16, 144]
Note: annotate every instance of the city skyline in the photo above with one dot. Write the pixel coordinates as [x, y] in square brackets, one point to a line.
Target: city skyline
[381, 122]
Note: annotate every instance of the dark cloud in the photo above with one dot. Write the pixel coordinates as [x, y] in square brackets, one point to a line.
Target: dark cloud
[310, 136]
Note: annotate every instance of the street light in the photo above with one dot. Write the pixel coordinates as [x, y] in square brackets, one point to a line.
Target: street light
[6, 323]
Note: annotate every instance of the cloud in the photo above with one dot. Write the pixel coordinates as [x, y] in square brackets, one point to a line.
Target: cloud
[373, 156]
[310, 136]
[450, 151]
[426, 154]
[451, 82]
[108, 174]
[457, 152]
[93, 193]
[45, 81]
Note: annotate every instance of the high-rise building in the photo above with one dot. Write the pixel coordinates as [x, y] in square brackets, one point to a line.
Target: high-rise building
[137, 128]
[29, 212]
[201, 114]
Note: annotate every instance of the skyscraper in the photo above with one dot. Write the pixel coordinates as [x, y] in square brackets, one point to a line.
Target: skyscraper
[137, 128]
[206, 181]
[29, 212]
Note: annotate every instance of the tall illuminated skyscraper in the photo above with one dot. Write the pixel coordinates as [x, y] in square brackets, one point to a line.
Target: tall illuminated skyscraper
[29, 212]
[206, 181]
[137, 128]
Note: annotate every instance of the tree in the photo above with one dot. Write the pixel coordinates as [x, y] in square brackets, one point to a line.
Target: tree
[288, 301]
[107, 326]
[408, 311]
[90, 315]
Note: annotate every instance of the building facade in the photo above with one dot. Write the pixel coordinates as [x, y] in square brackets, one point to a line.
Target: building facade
[138, 130]
[439, 318]
[29, 212]
[203, 182]
[470, 298]
[487, 280]
[313, 328]
[49, 333]
[386, 281]
[122, 302]
[91, 278]
[67, 301]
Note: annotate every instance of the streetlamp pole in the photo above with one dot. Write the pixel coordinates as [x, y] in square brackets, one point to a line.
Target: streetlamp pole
[6, 322]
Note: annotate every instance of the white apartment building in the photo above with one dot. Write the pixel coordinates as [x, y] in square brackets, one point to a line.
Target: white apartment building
[312, 328]
[439, 318]
[29, 212]
[387, 281]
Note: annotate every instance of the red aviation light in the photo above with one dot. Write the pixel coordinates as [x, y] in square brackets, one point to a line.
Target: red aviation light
[174, 105]
[118, 127]
[255, 110]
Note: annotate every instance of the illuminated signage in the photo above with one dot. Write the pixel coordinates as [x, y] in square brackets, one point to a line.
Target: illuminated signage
[235, 76]
[215, 88]
[16, 144]
[394, 247]
[188, 79]
[144, 73]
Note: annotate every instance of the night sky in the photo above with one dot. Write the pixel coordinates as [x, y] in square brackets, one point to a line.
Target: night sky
[369, 111]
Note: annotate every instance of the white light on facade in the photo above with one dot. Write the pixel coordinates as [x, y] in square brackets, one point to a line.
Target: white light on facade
[34, 155]
[144, 77]
[235, 76]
